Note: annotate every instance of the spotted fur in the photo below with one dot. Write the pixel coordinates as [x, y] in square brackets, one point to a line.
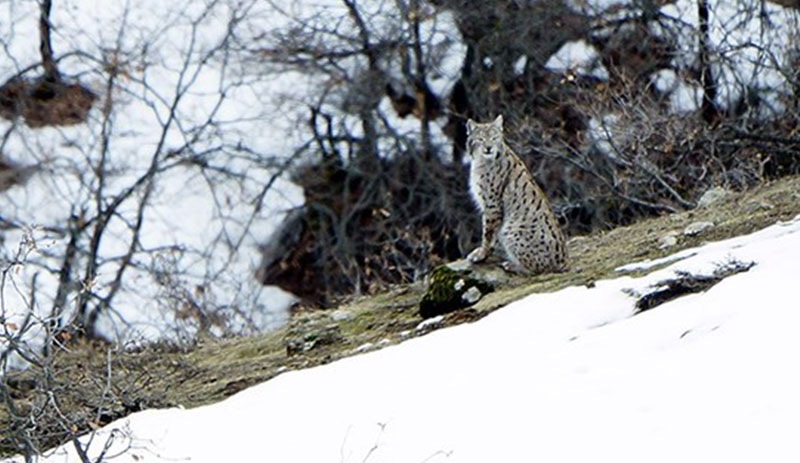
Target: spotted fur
[516, 213]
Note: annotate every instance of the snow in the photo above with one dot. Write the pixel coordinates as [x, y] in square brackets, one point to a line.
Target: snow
[752, 40]
[684, 97]
[579, 57]
[558, 377]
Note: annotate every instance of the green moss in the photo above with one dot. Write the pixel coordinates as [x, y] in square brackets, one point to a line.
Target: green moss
[450, 290]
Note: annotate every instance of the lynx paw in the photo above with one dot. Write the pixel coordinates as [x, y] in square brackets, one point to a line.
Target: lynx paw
[478, 255]
[511, 267]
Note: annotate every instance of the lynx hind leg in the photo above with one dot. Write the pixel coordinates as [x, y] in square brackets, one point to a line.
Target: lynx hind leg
[560, 258]
[522, 262]
[512, 243]
[529, 252]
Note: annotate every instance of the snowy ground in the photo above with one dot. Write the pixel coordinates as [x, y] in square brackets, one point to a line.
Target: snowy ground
[566, 376]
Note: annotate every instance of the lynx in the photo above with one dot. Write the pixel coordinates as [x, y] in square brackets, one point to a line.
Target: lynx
[516, 213]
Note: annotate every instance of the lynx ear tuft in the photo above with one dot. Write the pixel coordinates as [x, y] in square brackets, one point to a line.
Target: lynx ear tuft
[498, 122]
[470, 126]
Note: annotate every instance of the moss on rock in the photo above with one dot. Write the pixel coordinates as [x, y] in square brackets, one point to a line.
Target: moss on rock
[450, 290]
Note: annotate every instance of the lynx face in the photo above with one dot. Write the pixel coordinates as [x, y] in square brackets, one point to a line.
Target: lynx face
[485, 140]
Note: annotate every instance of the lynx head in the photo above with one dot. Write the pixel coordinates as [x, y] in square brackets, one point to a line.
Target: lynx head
[485, 139]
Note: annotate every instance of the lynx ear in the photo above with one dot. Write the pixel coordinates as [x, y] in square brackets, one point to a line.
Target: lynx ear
[470, 126]
[498, 122]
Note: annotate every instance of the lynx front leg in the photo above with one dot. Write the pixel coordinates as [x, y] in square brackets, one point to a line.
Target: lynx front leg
[492, 218]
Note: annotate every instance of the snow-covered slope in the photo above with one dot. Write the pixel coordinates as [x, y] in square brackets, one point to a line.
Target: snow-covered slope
[565, 376]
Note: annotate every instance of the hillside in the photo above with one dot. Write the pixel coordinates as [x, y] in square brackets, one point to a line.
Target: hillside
[101, 383]
[576, 374]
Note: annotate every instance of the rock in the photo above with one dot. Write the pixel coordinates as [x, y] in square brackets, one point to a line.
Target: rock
[430, 323]
[450, 290]
[461, 265]
[363, 348]
[490, 272]
[713, 196]
[696, 228]
[668, 240]
[472, 295]
[340, 315]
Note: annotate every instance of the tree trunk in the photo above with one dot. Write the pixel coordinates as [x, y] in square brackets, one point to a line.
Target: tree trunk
[51, 73]
[708, 107]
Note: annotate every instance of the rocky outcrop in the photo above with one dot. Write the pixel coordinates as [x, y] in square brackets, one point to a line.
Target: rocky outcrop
[452, 289]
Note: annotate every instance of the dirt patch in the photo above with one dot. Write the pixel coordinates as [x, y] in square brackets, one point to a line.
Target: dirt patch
[43, 102]
[686, 283]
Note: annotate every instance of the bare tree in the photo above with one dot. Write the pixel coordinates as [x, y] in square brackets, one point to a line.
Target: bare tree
[686, 106]
[382, 202]
[51, 72]
[161, 132]
[38, 395]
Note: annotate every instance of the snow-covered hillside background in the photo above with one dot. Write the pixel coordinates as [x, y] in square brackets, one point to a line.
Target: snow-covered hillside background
[562, 377]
